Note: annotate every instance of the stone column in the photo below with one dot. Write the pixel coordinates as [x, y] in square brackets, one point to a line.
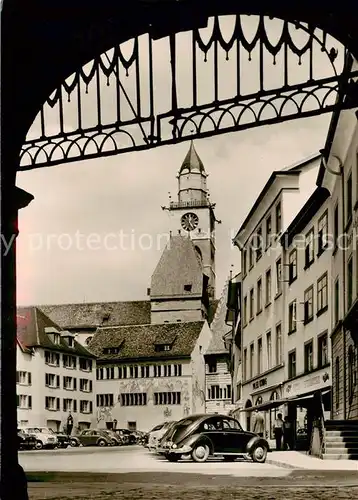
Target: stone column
[13, 480]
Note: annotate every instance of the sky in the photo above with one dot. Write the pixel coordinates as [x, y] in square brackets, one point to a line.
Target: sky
[91, 233]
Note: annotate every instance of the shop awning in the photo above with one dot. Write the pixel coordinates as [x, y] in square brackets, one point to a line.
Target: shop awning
[270, 405]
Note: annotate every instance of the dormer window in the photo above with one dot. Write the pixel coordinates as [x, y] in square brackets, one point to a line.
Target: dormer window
[111, 350]
[163, 347]
[70, 342]
[188, 287]
[56, 338]
[105, 318]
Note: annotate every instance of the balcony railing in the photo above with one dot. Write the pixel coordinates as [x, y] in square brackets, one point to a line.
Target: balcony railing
[188, 204]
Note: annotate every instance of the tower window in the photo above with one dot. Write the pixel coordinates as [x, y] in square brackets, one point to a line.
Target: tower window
[187, 288]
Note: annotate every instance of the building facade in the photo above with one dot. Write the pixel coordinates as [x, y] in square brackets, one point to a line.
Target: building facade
[307, 286]
[219, 390]
[149, 374]
[339, 174]
[263, 317]
[55, 374]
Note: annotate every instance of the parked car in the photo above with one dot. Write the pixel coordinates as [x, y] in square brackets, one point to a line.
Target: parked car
[139, 436]
[44, 436]
[202, 436]
[127, 436]
[63, 441]
[156, 434]
[93, 437]
[26, 441]
[74, 441]
[116, 439]
[163, 438]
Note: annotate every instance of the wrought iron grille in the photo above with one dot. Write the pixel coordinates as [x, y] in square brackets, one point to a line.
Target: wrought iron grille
[216, 80]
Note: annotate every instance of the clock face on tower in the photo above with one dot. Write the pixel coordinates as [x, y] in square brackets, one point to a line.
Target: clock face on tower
[189, 221]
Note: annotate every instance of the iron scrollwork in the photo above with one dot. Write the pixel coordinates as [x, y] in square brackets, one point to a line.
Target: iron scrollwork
[69, 128]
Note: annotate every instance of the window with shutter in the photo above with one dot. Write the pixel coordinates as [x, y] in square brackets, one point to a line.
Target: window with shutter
[30, 402]
[29, 378]
[58, 403]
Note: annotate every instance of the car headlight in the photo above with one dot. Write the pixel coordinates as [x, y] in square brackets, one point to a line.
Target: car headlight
[174, 446]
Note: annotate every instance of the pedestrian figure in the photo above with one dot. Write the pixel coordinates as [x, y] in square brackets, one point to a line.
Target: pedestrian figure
[287, 434]
[278, 431]
[259, 425]
[69, 426]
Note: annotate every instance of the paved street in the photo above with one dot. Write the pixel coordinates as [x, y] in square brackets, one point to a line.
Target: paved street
[134, 459]
[132, 473]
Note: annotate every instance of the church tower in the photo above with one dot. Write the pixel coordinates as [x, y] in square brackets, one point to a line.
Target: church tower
[193, 213]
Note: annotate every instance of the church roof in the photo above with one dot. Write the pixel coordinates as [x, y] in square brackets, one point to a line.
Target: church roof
[136, 312]
[178, 267]
[218, 326]
[192, 162]
[31, 324]
[140, 341]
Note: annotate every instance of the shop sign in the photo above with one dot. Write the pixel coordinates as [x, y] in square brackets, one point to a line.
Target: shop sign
[307, 384]
[259, 383]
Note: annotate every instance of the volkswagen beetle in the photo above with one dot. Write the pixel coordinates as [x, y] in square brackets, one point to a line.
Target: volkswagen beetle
[202, 436]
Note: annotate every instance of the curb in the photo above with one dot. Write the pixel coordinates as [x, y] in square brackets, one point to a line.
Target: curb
[284, 465]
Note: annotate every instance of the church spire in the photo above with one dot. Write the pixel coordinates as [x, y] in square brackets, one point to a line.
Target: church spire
[192, 162]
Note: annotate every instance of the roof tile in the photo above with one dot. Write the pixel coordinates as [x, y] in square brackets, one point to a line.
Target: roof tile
[139, 340]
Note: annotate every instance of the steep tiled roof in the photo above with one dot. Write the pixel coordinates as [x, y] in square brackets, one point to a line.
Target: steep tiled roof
[218, 326]
[179, 265]
[31, 324]
[138, 342]
[212, 310]
[93, 314]
[192, 162]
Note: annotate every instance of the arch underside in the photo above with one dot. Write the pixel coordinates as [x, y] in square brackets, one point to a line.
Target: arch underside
[117, 103]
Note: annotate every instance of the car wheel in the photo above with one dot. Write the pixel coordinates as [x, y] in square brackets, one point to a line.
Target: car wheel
[259, 454]
[200, 453]
[172, 457]
[39, 445]
[229, 458]
[73, 443]
[102, 442]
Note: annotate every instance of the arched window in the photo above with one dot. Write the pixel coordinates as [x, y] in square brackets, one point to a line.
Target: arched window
[350, 373]
[88, 340]
[258, 401]
[337, 384]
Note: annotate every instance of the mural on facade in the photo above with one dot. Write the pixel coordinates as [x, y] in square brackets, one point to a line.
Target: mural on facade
[150, 386]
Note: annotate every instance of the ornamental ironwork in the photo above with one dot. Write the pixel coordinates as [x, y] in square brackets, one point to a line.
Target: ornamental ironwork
[239, 72]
